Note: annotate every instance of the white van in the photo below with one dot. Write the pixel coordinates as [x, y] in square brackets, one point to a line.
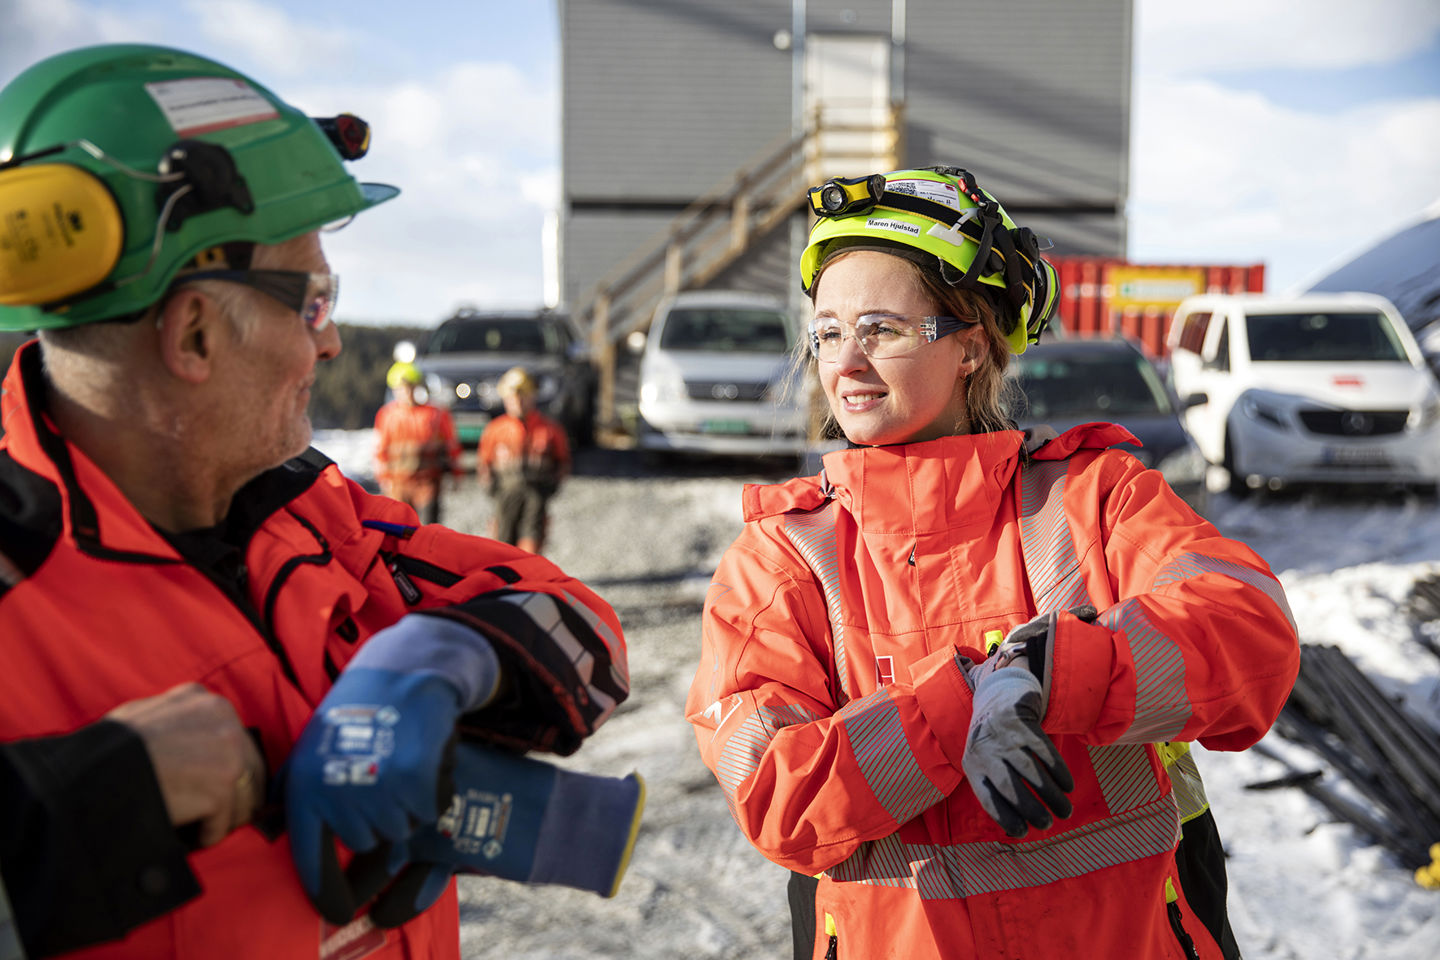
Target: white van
[1323, 388]
[712, 376]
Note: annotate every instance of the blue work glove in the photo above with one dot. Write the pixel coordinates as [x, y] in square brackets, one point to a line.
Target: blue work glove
[373, 761]
[1011, 763]
[512, 817]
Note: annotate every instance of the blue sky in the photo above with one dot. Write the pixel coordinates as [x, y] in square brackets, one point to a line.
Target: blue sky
[1293, 132]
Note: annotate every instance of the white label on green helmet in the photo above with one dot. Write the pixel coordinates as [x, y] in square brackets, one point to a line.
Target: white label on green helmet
[952, 235]
[201, 104]
[928, 190]
[897, 226]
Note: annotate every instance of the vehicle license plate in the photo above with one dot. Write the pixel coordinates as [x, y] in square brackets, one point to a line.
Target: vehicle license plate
[724, 426]
[1364, 456]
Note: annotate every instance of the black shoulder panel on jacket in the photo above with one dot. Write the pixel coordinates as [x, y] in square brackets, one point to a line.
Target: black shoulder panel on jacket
[259, 499]
[30, 521]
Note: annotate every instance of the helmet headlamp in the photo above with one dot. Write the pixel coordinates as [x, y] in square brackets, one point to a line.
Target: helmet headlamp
[841, 197]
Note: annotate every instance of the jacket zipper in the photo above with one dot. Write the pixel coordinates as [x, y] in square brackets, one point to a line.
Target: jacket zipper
[1172, 907]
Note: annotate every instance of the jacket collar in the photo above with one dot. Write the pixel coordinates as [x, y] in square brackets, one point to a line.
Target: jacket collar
[33, 441]
[948, 484]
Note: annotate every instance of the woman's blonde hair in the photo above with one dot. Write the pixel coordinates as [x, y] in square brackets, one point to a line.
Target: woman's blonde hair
[985, 388]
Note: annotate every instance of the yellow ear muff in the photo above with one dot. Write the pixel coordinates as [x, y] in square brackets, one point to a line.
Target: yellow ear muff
[60, 233]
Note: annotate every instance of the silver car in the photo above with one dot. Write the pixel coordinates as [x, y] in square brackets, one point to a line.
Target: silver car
[713, 376]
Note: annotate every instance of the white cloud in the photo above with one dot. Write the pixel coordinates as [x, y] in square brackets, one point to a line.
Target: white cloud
[268, 36]
[1178, 38]
[473, 150]
[1226, 176]
[36, 29]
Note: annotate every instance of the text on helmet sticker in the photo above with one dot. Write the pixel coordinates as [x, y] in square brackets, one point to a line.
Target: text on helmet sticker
[927, 190]
[198, 105]
[896, 226]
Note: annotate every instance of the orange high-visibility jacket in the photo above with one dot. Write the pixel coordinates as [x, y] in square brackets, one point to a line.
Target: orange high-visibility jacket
[415, 442]
[535, 447]
[830, 699]
[97, 608]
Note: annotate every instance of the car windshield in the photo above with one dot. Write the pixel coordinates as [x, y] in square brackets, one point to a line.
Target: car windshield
[496, 335]
[1331, 336]
[725, 329]
[1099, 386]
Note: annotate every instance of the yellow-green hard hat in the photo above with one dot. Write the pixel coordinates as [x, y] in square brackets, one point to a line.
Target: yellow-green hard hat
[940, 218]
[403, 372]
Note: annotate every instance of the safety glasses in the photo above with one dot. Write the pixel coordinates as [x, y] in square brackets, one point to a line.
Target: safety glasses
[312, 295]
[880, 335]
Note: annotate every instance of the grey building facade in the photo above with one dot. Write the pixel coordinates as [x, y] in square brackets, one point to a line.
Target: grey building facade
[664, 102]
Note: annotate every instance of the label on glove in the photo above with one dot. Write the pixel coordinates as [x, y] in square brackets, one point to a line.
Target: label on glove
[356, 739]
[476, 822]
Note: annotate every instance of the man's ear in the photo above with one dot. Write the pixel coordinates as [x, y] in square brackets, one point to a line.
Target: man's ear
[189, 324]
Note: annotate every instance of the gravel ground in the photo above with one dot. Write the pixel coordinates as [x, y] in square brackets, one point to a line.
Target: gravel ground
[648, 543]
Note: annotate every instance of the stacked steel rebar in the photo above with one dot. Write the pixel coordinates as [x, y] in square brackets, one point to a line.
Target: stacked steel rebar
[1390, 757]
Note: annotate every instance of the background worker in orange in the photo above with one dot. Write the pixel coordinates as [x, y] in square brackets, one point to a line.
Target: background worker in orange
[524, 456]
[176, 559]
[416, 446]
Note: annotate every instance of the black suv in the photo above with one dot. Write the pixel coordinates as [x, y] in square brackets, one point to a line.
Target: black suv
[464, 356]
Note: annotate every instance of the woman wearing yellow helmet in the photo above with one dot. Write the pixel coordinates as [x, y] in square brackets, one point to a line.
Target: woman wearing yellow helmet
[416, 445]
[935, 675]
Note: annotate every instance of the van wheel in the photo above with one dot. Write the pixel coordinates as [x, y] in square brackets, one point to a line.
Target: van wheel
[1237, 488]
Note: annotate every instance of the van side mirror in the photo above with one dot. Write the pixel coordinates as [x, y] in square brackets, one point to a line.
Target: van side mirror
[1195, 399]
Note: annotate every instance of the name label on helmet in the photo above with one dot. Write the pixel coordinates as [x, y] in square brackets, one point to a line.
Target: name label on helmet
[927, 190]
[898, 226]
[202, 104]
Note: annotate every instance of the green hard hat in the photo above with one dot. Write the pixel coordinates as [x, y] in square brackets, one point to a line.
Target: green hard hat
[120, 163]
[940, 218]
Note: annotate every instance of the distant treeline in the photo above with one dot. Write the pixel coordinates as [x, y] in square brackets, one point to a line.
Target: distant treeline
[348, 390]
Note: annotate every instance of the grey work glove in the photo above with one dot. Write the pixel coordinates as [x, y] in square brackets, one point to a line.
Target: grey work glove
[1011, 763]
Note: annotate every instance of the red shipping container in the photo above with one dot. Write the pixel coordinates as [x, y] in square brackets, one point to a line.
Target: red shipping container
[1103, 295]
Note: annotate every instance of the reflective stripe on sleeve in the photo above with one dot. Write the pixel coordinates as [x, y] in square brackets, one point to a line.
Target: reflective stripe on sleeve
[747, 744]
[1190, 565]
[1161, 706]
[877, 738]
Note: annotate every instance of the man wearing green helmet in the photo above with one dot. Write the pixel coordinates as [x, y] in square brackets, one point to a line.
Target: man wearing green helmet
[949, 681]
[178, 569]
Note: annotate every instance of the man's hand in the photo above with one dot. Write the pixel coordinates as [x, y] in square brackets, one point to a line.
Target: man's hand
[373, 762]
[208, 768]
[1012, 765]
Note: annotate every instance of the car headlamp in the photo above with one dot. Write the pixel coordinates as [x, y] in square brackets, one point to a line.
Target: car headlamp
[1263, 412]
[844, 197]
[1426, 414]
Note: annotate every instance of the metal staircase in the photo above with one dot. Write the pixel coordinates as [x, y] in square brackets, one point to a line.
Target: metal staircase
[718, 229]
